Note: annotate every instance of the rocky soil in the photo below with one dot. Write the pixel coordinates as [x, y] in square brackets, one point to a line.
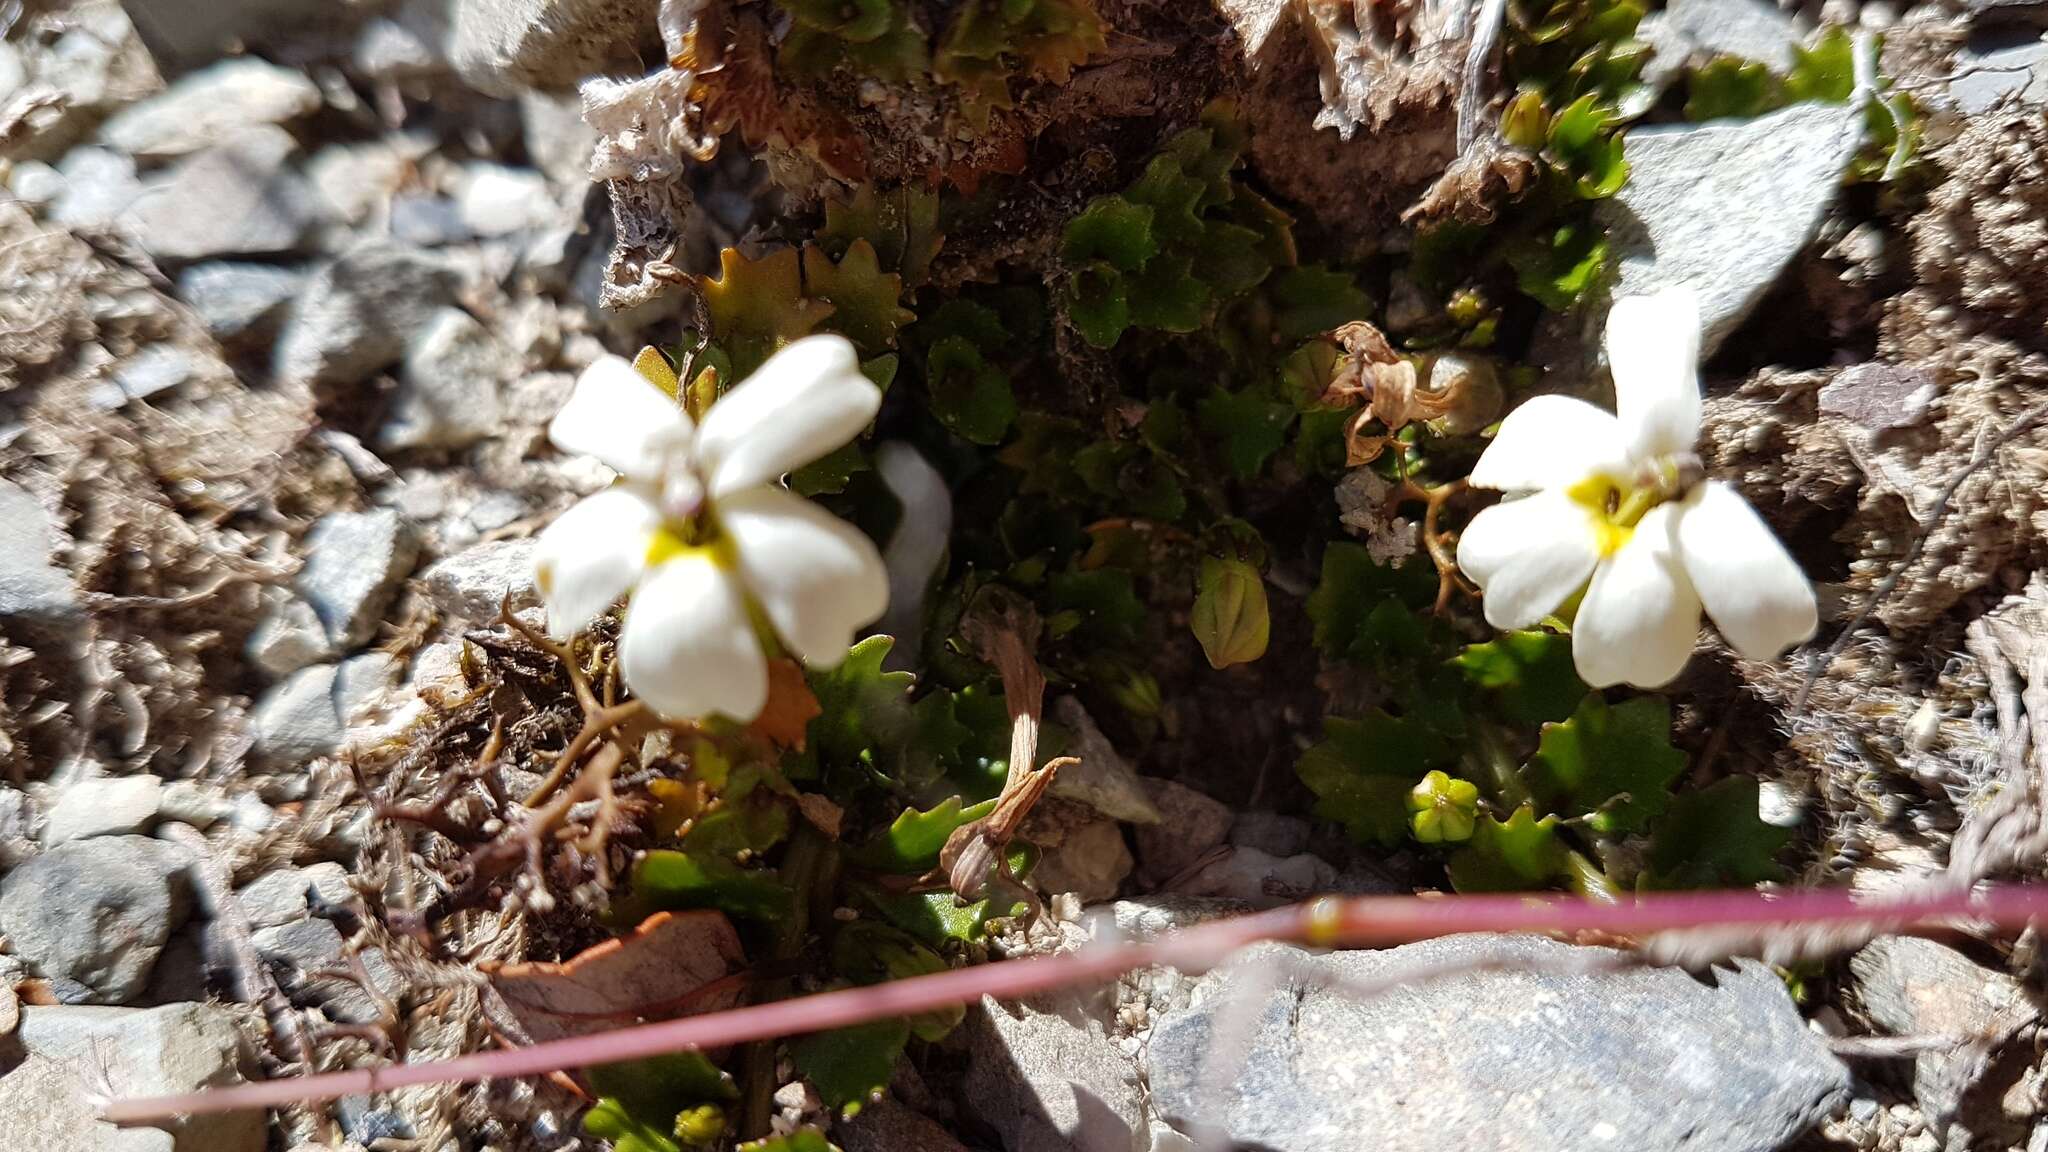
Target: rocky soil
[288, 291]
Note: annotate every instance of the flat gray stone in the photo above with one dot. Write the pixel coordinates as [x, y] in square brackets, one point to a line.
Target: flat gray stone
[98, 186]
[498, 200]
[1271, 833]
[448, 386]
[354, 562]
[238, 198]
[189, 32]
[235, 299]
[103, 806]
[143, 1051]
[48, 1104]
[289, 637]
[1048, 1078]
[1649, 1060]
[211, 105]
[280, 897]
[1999, 66]
[887, 1126]
[1911, 986]
[1190, 824]
[1695, 31]
[1261, 879]
[499, 46]
[1103, 780]
[296, 720]
[1725, 205]
[359, 313]
[30, 584]
[1090, 861]
[96, 911]
[468, 587]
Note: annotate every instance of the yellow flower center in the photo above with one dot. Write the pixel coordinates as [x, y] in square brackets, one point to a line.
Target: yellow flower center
[1616, 506]
[699, 535]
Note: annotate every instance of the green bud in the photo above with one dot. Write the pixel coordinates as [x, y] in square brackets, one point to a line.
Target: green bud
[1443, 809]
[1139, 694]
[1230, 617]
[1525, 124]
[700, 1126]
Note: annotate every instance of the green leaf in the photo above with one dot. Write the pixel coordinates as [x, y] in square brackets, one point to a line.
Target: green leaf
[665, 879]
[1353, 585]
[866, 301]
[1312, 299]
[854, 20]
[1728, 86]
[1230, 618]
[1230, 259]
[829, 474]
[1113, 230]
[1098, 303]
[1614, 762]
[1521, 854]
[1363, 770]
[1530, 674]
[1166, 295]
[1104, 600]
[1826, 71]
[1250, 427]
[1714, 838]
[1559, 267]
[850, 1066]
[870, 952]
[912, 841]
[970, 396]
[861, 706]
[611, 1120]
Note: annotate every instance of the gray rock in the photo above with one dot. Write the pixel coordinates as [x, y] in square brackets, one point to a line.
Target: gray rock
[235, 300]
[280, 897]
[1048, 1078]
[1996, 66]
[1695, 31]
[354, 180]
[1190, 824]
[30, 585]
[448, 386]
[33, 182]
[354, 561]
[189, 32]
[502, 45]
[1260, 879]
[289, 637]
[143, 1051]
[361, 311]
[103, 806]
[303, 948]
[98, 186]
[497, 200]
[155, 368]
[49, 1104]
[1271, 833]
[211, 105]
[362, 681]
[235, 199]
[1911, 986]
[887, 1126]
[1102, 780]
[1090, 861]
[427, 220]
[407, 45]
[19, 815]
[296, 720]
[1876, 396]
[1643, 1059]
[97, 912]
[468, 587]
[557, 138]
[1725, 205]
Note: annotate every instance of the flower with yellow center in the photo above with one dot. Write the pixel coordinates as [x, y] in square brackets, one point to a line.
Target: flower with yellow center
[1617, 505]
[719, 557]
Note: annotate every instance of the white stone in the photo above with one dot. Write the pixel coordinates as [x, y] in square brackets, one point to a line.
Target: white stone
[103, 806]
[289, 637]
[497, 200]
[468, 587]
[354, 561]
[210, 106]
[448, 386]
[142, 1052]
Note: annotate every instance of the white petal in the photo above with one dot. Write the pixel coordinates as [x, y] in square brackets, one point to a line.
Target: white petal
[1640, 616]
[688, 648]
[1753, 589]
[817, 577]
[1529, 554]
[806, 401]
[1653, 350]
[616, 415]
[590, 555]
[1550, 442]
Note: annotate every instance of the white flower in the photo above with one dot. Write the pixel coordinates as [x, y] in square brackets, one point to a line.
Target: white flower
[700, 530]
[1620, 498]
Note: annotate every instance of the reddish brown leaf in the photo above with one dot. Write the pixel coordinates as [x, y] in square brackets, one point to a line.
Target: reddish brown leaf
[674, 964]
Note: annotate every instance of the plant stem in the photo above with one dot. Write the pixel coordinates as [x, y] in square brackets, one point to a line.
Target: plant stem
[1754, 918]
